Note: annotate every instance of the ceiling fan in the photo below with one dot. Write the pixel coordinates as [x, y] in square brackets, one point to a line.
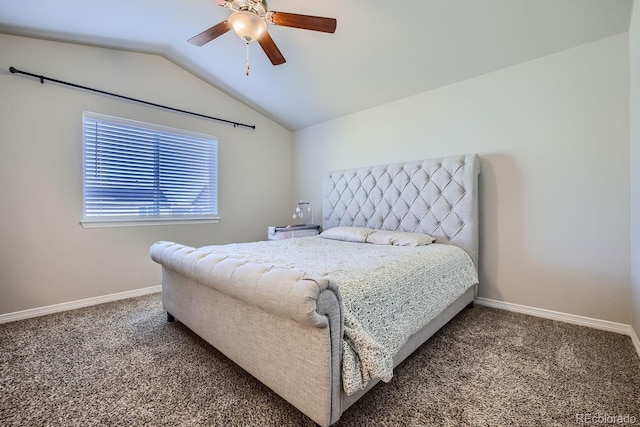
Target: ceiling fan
[249, 18]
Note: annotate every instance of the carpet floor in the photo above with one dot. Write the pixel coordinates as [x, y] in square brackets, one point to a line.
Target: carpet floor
[122, 364]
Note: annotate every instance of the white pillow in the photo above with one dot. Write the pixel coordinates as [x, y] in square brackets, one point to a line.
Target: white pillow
[347, 234]
[399, 238]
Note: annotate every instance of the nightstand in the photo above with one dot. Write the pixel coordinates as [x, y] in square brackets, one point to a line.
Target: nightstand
[282, 232]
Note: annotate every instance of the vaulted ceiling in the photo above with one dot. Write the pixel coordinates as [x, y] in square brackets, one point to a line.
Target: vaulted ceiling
[381, 51]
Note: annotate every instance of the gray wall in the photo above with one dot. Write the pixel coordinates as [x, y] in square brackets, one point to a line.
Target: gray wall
[553, 135]
[634, 114]
[557, 185]
[46, 257]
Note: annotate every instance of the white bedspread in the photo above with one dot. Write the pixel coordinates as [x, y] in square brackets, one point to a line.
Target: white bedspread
[388, 292]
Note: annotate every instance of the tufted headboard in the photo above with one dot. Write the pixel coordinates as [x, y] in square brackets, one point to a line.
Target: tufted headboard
[437, 196]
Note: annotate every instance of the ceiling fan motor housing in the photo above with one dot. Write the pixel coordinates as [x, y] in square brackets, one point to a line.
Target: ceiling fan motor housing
[259, 7]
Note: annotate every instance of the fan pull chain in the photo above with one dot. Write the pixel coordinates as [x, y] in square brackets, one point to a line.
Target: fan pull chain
[247, 58]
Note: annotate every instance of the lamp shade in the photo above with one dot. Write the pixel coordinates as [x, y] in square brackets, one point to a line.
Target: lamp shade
[247, 25]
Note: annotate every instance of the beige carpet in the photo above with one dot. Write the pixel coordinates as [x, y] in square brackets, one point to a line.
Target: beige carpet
[122, 364]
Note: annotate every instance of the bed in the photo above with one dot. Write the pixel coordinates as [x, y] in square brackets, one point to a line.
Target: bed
[322, 319]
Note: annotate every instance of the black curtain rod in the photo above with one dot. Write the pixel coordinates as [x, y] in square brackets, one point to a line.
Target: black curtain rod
[43, 78]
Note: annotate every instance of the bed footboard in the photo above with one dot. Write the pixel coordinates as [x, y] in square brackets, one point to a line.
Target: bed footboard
[281, 327]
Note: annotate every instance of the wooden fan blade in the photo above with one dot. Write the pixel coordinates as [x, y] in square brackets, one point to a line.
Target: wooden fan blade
[306, 22]
[210, 34]
[269, 46]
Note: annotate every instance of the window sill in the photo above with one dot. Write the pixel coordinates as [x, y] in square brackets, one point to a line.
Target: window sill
[101, 223]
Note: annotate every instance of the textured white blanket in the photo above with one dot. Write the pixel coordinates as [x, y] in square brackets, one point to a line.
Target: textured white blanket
[388, 292]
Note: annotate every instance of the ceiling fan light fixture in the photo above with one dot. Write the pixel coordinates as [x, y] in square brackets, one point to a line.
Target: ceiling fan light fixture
[247, 25]
[249, 19]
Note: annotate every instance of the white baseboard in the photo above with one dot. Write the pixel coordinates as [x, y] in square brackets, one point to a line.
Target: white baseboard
[72, 305]
[605, 325]
[620, 328]
[635, 340]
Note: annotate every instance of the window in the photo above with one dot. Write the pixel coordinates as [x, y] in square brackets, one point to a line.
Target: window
[140, 174]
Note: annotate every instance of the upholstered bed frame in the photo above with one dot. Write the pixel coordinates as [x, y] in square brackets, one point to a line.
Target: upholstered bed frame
[286, 329]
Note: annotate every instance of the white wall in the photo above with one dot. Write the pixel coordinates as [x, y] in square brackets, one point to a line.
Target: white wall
[553, 135]
[46, 257]
[634, 114]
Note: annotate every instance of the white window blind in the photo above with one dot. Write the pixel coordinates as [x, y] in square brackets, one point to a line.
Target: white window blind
[137, 172]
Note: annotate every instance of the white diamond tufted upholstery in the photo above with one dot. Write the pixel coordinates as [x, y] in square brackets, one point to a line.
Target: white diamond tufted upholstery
[436, 196]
